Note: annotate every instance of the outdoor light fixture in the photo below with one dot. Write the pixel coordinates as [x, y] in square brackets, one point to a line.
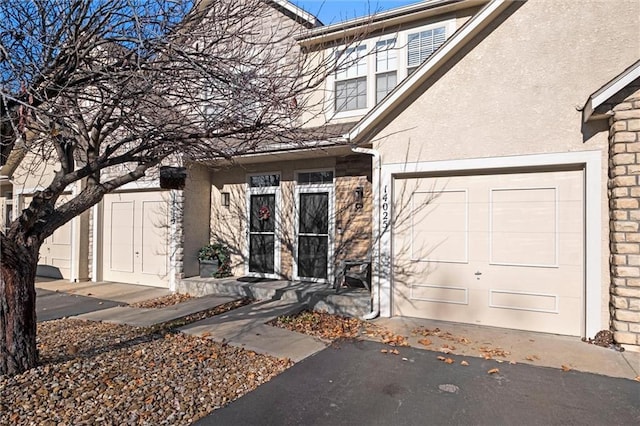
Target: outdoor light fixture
[359, 195]
[225, 199]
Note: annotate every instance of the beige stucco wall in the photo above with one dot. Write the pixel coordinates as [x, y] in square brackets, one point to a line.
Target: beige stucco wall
[519, 92]
[195, 217]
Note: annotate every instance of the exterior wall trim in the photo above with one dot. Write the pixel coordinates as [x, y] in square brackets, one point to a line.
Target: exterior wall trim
[592, 162]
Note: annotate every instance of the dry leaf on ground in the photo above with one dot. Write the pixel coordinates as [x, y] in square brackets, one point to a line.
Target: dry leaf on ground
[465, 363]
[565, 368]
[448, 361]
[425, 342]
[493, 371]
[441, 358]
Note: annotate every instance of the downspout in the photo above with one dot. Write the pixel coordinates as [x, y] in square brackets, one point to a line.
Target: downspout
[375, 232]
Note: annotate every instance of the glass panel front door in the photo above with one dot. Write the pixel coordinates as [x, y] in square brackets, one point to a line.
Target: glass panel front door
[262, 233]
[313, 235]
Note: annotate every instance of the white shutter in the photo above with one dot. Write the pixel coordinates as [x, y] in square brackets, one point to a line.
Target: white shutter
[422, 45]
[413, 53]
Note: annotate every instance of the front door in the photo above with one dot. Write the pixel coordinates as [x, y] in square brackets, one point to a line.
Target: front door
[313, 236]
[314, 201]
[263, 259]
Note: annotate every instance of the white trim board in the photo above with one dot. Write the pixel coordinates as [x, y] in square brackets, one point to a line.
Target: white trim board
[592, 163]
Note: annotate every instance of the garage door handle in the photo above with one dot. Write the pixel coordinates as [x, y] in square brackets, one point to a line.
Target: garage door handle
[478, 273]
[137, 253]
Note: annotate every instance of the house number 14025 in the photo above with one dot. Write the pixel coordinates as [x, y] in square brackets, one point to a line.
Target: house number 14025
[385, 209]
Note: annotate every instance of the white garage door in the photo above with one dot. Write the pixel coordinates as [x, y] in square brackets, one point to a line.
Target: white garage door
[55, 251]
[134, 243]
[503, 250]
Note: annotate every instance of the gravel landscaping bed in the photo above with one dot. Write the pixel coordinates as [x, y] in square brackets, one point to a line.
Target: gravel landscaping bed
[113, 374]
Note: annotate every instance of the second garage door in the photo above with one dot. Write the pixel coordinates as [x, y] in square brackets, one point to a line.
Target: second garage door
[55, 251]
[135, 244]
[503, 250]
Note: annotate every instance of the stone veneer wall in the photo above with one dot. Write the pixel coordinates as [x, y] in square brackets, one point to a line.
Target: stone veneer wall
[624, 215]
[353, 226]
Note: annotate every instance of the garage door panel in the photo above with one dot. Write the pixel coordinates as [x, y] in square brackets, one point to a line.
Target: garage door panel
[120, 236]
[154, 237]
[440, 293]
[524, 251]
[439, 226]
[135, 238]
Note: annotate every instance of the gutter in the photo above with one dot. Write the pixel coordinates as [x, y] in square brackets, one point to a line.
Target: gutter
[375, 254]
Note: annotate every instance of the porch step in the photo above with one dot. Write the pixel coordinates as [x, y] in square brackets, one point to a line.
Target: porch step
[316, 296]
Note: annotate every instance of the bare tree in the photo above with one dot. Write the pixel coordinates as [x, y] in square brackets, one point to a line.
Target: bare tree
[105, 91]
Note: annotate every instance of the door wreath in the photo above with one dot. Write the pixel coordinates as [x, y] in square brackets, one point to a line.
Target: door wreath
[264, 213]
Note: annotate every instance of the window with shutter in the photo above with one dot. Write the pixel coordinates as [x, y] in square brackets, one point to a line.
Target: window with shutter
[421, 45]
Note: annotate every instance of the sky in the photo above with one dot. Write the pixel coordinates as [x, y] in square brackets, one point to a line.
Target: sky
[332, 11]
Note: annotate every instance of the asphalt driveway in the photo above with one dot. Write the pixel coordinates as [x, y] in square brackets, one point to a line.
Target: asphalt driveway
[52, 305]
[354, 383]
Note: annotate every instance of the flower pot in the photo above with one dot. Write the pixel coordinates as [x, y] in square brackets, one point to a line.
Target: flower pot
[208, 268]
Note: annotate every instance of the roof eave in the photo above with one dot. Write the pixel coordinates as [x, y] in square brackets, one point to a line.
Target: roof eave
[459, 39]
[299, 12]
[354, 27]
[606, 92]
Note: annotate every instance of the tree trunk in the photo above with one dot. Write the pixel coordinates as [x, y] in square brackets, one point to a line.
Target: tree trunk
[18, 351]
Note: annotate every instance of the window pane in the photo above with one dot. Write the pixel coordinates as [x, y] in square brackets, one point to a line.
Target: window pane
[307, 178]
[351, 94]
[261, 257]
[262, 214]
[314, 213]
[386, 55]
[352, 63]
[385, 84]
[312, 257]
[264, 181]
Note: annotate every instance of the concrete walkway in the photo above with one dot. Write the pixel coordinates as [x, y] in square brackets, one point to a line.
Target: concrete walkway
[117, 292]
[146, 317]
[523, 347]
[245, 327]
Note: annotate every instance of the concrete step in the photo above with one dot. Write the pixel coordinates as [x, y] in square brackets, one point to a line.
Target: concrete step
[317, 296]
[349, 303]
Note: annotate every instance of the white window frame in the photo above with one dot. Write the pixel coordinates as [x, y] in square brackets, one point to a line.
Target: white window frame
[396, 50]
[358, 62]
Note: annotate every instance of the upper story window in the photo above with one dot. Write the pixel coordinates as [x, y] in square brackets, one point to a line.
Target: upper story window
[421, 45]
[351, 80]
[386, 67]
[372, 69]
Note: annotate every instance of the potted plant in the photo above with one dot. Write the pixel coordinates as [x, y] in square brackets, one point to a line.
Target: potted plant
[215, 261]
